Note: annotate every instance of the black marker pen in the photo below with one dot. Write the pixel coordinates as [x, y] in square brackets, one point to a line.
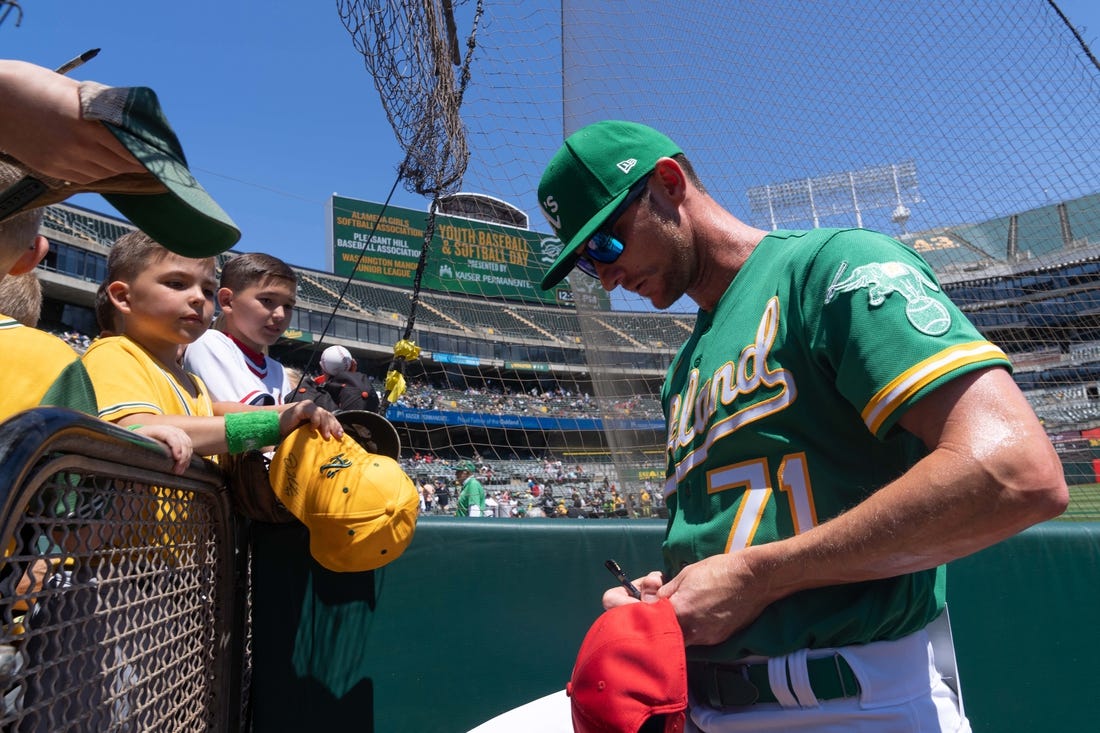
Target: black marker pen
[621, 577]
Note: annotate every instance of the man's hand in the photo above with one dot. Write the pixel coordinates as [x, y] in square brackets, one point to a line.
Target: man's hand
[41, 126]
[715, 597]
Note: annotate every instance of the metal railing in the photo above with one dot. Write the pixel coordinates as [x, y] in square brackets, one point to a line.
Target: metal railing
[121, 600]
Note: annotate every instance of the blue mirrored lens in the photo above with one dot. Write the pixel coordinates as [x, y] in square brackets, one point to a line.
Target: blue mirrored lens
[604, 247]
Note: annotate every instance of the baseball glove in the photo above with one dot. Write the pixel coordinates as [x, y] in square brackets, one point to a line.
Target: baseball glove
[250, 489]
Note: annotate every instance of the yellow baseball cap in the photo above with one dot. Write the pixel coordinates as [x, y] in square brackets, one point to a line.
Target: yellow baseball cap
[360, 507]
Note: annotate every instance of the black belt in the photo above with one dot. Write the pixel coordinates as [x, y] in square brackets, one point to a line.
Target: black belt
[733, 685]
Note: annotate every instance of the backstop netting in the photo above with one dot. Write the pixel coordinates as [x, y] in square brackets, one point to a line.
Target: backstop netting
[965, 129]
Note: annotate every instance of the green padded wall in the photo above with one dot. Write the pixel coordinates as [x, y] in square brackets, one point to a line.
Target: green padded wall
[476, 617]
[479, 616]
[1024, 617]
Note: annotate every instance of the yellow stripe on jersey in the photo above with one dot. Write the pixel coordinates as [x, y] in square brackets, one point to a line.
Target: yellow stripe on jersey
[912, 380]
[123, 409]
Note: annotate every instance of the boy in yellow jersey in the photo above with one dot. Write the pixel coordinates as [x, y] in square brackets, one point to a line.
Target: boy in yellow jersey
[166, 301]
[56, 366]
[58, 377]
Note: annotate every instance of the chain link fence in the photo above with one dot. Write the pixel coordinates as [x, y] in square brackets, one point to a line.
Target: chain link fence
[118, 602]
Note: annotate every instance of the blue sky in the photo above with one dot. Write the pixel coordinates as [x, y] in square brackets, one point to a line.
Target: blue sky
[271, 101]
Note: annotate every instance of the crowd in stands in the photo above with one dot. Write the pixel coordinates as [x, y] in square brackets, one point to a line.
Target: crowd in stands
[497, 400]
[79, 341]
[532, 487]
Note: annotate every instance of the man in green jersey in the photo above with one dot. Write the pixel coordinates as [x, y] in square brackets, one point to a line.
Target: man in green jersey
[471, 495]
[837, 432]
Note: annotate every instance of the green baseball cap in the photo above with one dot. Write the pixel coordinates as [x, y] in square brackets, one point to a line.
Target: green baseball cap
[467, 466]
[166, 202]
[589, 176]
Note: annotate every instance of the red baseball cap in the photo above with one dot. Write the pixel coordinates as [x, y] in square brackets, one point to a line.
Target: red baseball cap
[630, 668]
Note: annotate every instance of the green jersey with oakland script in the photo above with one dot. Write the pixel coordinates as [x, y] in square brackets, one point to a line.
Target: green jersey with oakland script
[782, 412]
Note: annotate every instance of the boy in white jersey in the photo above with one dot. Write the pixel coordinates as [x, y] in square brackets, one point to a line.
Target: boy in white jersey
[256, 294]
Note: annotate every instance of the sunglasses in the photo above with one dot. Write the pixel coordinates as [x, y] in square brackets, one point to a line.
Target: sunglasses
[603, 246]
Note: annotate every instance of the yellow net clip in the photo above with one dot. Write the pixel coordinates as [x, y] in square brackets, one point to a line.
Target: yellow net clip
[395, 385]
[407, 350]
[395, 378]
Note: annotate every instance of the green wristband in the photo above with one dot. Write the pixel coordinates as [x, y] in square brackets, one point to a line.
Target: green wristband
[245, 431]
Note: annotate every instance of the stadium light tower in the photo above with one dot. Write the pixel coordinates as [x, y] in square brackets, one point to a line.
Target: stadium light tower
[809, 199]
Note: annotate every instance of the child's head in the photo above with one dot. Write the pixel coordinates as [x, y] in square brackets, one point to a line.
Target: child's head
[21, 298]
[163, 299]
[257, 295]
[257, 269]
[21, 247]
[134, 251]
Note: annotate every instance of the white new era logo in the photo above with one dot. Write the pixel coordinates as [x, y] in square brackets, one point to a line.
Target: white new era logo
[627, 164]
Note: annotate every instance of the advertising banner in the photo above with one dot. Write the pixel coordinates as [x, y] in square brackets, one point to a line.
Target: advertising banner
[466, 257]
[399, 414]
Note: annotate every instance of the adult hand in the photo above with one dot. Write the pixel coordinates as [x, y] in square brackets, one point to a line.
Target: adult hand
[715, 597]
[297, 414]
[41, 126]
